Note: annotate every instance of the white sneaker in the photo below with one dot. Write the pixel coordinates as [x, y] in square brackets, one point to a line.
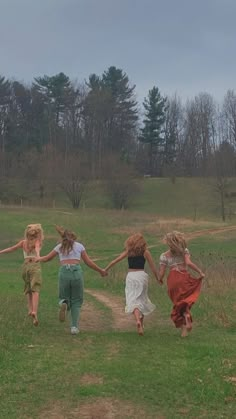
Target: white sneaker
[74, 330]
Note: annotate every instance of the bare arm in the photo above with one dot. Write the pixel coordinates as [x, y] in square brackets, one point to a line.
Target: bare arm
[37, 248]
[85, 257]
[162, 271]
[192, 265]
[47, 257]
[148, 257]
[12, 248]
[122, 256]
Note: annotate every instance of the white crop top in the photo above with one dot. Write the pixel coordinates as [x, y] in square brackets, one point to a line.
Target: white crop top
[171, 261]
[75, 253]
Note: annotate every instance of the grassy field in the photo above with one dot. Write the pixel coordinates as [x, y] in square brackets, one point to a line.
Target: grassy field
[108, 371]
[195, 198]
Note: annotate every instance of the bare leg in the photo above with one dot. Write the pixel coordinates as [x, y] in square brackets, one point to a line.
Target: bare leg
[137, 316]
[188, 321]
[35, 302]
[184, 332]
[142, 320]
[30, 304]
[63, 311]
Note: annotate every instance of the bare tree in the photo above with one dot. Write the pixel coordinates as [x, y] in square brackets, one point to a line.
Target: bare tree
[221, 188]
[121, 182]
[206, 115]
[199, 133]
[73, 176]
[220, 167]
[174, 125]
[229, 114]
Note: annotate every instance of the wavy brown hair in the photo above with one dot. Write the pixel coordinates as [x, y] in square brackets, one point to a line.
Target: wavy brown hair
[33, 233]
[176, 242]
[68, 239]
[136, 245]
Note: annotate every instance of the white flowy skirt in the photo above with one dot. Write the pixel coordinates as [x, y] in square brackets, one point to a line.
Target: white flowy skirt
[136, 293]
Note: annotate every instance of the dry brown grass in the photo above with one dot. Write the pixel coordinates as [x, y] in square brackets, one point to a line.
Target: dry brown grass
[160, 226]
[218, 287]
[91, 379]
[93, 319]
[99, 408]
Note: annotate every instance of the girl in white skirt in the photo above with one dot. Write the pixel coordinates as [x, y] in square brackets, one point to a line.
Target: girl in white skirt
[136, 288]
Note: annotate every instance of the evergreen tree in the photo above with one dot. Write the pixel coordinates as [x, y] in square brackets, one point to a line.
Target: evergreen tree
[56, 92]
[123, 110]
[153, 126]
[110, 116]
[96, 114]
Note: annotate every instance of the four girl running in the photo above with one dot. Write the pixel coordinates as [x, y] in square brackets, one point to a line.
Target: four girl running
[183, 289]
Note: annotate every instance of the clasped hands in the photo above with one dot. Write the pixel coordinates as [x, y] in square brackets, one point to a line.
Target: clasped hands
[104, 273]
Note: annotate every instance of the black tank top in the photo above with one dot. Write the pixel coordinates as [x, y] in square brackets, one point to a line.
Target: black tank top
[136, 262]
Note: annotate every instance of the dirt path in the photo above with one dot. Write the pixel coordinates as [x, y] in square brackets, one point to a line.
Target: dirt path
[120, 320]
[93, 319]
[189, 236]
[201, 233]
[209, 231]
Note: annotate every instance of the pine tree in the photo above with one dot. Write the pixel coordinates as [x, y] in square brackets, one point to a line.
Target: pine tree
[56, 93]
[153, 124]
[123, 110]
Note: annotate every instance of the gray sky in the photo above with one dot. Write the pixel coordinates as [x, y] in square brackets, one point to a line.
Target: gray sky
[182, 46]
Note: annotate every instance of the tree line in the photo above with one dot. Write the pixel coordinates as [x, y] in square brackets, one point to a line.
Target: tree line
[68, 132]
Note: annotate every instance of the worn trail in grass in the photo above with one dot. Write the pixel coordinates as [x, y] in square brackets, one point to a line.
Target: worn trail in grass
[108, 371]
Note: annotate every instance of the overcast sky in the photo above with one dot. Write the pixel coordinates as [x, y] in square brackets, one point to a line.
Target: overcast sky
[181, 46]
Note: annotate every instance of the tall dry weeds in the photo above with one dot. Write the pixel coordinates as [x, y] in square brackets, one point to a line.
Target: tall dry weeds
[218, 289]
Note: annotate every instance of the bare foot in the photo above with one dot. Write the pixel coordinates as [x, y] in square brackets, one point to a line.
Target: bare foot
[188, 321]
[184, 332]
[35, 319]
[142, 321]
[140, 328]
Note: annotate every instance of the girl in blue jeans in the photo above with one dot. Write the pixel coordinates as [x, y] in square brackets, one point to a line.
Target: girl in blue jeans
[71, 283]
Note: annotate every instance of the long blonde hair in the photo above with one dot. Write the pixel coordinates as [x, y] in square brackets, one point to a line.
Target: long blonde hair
[176, 242]
[135, 245]
[33, 233]
[68, 239]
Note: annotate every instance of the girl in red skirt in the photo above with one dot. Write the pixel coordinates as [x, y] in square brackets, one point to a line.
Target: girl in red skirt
[183, 289]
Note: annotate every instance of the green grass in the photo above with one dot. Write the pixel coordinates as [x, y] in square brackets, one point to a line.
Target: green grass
[194, 198]
[161, 374]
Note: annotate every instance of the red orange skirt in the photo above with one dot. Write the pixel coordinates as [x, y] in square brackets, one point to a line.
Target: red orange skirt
[183, 291]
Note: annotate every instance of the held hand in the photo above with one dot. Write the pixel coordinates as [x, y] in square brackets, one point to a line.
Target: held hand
[104, 273]
[160, 281]
[37, 259]
[201, 275]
